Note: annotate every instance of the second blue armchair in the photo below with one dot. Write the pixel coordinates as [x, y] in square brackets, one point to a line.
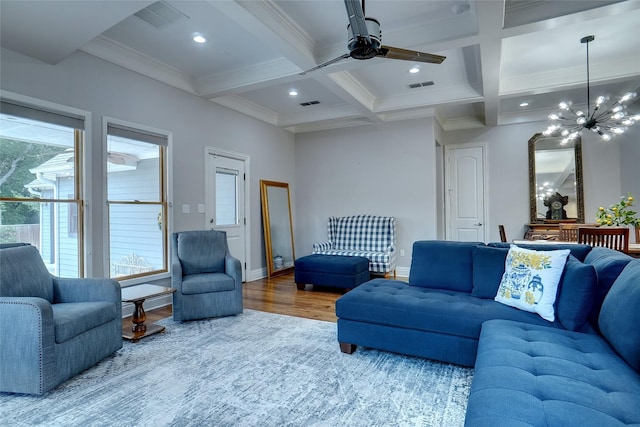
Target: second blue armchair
[208, 280]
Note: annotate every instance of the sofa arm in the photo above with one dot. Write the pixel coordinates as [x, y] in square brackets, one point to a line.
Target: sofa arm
[322, 246]
[176, 274]
[27, 354]
[233, 268]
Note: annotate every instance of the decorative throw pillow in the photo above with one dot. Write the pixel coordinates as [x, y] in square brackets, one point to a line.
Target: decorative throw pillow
[530, 280]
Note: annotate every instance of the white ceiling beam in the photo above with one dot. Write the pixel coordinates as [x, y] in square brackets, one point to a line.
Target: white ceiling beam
[490, 18]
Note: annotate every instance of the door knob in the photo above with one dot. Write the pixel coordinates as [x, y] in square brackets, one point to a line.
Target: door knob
[211, 221]
[478, 224]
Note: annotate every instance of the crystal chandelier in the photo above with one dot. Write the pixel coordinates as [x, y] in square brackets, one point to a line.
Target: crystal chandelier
[606, 121]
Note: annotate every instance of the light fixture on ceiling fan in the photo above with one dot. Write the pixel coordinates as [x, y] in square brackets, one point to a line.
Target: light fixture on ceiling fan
[606, 121]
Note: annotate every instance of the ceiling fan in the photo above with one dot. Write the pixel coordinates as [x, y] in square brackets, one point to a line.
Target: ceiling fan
[365, 41]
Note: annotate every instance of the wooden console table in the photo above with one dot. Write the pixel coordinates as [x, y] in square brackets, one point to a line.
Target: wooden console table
[543, 230]
[137, 294]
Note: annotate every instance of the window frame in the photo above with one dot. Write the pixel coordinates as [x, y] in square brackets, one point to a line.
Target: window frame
[82, 169]
[165, 189]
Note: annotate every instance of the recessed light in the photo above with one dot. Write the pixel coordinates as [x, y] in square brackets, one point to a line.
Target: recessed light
[414, 70]
[293, 92]
[199, 38]
[524, 104]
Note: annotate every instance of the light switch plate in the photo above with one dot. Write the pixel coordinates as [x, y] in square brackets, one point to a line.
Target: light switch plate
[200, 208]
[186, 209]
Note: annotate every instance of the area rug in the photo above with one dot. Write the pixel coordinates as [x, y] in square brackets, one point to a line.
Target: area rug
[254, 369]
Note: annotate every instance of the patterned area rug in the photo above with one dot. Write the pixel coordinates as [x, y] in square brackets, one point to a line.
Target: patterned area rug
[248, 370]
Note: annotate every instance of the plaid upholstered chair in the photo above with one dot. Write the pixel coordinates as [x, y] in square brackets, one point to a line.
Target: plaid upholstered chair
[369, 236]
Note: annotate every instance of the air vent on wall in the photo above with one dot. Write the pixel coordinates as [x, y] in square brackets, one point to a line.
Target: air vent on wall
[306, 104]
[423, 84]
[160, 14]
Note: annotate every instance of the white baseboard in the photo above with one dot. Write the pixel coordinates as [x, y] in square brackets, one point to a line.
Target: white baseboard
[258, 274]
[402, 271]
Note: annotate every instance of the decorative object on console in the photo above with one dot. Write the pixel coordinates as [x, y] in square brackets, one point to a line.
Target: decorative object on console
[530, 281]
[556, 203]
[619, 213]
[607, 121]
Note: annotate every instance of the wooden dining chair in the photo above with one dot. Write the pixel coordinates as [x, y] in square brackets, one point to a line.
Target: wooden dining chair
[616, 238]
[503, 234]
[568, 231]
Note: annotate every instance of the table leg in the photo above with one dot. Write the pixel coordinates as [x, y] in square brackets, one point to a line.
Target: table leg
[139, 317]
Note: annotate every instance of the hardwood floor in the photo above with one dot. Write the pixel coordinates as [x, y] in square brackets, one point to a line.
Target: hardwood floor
[278, 295]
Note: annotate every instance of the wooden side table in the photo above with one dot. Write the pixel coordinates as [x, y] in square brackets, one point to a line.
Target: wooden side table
[137, 295]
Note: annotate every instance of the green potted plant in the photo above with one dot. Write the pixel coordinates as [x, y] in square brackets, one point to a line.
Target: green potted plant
[620, 214]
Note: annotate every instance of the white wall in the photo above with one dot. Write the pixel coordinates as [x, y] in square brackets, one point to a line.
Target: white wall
[88, 83]
[508, 178]
[382, 169]
[630, 163]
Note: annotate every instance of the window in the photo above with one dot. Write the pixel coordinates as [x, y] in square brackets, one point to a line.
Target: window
[137, 201]
[226, 197]
[40, 184]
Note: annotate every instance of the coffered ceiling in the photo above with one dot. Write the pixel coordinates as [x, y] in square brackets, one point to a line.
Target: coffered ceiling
[499, 54]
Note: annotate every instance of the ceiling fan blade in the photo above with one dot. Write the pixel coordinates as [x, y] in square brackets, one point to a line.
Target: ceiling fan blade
[357, 22]
[324, 64]
[410, 55]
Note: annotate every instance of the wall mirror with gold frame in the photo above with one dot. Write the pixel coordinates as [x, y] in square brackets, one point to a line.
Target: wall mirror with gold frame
[555, 180]
[278, 227]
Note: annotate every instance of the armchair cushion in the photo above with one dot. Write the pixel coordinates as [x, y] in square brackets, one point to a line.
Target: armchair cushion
[201, 252]
[34, 278]
[207, 282]
[72, 319]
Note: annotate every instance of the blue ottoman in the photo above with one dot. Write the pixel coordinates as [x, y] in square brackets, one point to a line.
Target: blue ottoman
[331, 270]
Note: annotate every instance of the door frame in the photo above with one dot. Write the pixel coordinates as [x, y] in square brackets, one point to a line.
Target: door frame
[208, 188]
[447, 183]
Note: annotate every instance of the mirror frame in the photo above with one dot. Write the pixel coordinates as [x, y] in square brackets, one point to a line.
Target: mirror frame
[533, 217]
[266, 223]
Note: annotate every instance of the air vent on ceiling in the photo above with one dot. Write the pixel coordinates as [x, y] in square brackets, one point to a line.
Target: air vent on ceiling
[306, 104]
[423, 84]
[160, 14]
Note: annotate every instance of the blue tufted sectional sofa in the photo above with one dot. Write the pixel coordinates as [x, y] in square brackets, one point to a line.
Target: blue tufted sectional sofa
[582, 369]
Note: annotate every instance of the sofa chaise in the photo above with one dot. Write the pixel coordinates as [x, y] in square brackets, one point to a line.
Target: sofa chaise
[582, 368]
[51, 328]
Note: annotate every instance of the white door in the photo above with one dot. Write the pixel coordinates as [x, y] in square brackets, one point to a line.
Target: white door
[465, 194]
[225, 202]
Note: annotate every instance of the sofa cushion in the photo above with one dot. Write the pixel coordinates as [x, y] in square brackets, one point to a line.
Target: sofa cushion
[23, 273]
[488, 268]
[395, 303]
[202, 252]
[575, 297]
[205, 283]
[531, 278]
[443, 265]
[579, 251]
[608, 264]
[619, 319]
[538, 376]
[73, 318]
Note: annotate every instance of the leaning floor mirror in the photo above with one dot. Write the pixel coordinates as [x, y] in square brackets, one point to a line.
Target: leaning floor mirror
[278, 227]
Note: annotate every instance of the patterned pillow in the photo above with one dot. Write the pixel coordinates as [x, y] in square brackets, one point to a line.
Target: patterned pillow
[530, 280]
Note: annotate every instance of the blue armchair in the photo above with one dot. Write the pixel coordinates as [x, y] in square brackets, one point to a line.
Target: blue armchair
[207, 279]
[51, 328]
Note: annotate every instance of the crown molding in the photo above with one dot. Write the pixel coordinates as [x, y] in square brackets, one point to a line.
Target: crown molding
[249, 108]
[105, 48]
